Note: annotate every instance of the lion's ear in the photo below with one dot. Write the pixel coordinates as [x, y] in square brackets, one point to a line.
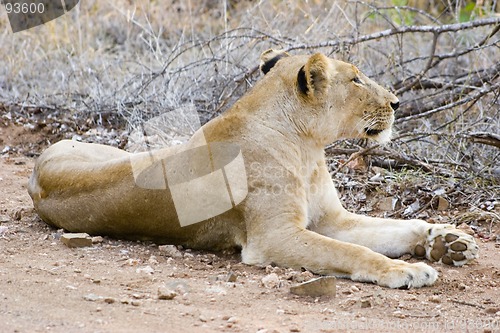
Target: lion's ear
[314, 76]
[269, 58]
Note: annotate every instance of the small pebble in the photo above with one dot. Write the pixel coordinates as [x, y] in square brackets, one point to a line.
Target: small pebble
[366, 304]
[170, 251]
[492, 310]
[231, 277]
[166, 294]
[271, 281]
[109, 300]
[146, 270]
[435, 299]
[97, 240]
[92, 297]
[76, 239]
[323, 286]
[153, 260]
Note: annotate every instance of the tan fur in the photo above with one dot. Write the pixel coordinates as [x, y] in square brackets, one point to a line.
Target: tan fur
[292, 215]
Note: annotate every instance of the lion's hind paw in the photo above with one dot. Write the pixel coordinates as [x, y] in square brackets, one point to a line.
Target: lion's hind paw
[448, 245]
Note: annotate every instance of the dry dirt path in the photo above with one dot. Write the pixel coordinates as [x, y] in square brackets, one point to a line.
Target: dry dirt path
[113, 287]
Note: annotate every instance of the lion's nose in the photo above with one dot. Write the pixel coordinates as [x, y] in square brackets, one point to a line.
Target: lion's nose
[395, 106]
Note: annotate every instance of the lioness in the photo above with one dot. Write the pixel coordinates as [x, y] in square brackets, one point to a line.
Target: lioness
[292, 215]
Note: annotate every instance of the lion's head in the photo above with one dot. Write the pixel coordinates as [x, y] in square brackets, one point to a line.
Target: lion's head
[339, 100]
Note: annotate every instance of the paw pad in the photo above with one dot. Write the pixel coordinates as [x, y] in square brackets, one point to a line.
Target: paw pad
[448, 245]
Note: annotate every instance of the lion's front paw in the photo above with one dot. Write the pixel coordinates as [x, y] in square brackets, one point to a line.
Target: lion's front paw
[448, 245]
[405, 275]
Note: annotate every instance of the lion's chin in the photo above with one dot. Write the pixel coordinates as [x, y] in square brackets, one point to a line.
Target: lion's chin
[382, 136]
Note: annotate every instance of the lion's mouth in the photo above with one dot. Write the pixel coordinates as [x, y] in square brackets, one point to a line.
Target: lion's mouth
[373, 131]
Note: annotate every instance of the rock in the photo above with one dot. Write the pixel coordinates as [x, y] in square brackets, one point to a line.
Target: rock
[297, 276]
[3, 230]
[466, 228]
[399, 314]
[443, 204]
[216, 290]
[180, 287]
[492, 310]
[109, 300]
[146, 270]
[365, 303]
[97, 240]
[323, 286]
[92, 297]
[233, 320]
[18, 214]
[435, 299]
[231, 277]
[4, 219]
[76, 240]
[170, 251]
[153, 260]
[271, 281]
[387, 204]
[165, 293]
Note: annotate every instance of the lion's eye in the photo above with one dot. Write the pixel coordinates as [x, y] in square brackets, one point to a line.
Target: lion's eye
[357, 80]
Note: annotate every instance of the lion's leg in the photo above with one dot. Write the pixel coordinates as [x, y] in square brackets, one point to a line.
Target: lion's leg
[303, 248]
[436, 242]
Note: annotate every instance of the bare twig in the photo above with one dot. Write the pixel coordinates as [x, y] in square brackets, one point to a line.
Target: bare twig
[485, 138]
[479, 93]
[373, 151]
[400, 30]
[428, 66]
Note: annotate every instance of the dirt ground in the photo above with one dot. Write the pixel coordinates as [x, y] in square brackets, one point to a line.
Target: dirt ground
[115, 286]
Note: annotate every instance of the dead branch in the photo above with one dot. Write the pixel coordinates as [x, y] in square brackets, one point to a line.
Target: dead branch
[448, 91]
[428, 66]
[384, 152]
[478, 94]
[439, 29]
[484, 138]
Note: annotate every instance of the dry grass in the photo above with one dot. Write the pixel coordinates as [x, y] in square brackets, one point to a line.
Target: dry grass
[132, 60]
